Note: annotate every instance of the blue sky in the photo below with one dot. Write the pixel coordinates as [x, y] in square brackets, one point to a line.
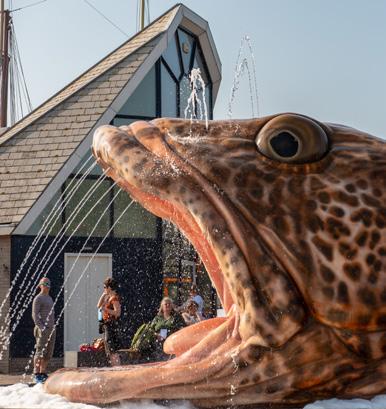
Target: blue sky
[323, 58]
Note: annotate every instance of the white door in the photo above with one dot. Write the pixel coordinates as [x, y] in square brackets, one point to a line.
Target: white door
[84, 275]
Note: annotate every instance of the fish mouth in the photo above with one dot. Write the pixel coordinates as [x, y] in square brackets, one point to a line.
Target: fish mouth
[140, 160]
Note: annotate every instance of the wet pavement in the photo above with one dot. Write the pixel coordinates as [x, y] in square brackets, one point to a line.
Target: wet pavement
[6, 380]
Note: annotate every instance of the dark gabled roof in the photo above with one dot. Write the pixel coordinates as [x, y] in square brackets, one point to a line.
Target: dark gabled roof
[35, 149]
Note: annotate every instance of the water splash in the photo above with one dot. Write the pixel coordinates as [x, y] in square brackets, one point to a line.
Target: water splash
[242, 66]
[195, 103]
[6, 337]
[188, 139]
[28, 289]
[44, 231]
[81, 274]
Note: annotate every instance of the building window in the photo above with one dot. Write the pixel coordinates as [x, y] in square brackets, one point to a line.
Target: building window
[67, 218]
[185, 92]
[136, 222]
[84, 165]
[49, 222]
[169, 89]
[121, 120]
[172, 58]
[143, 100]
[198, 62]
[165, 90]
[187, 47]
[184, 51]
[97, 223]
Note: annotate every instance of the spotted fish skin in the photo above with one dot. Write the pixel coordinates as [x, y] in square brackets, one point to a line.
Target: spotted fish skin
[289, 216]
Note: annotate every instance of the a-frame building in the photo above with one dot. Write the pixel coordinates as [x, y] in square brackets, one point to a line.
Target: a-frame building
[40, 159]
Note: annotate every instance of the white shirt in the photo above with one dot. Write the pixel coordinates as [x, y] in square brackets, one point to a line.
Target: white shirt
[200, 302]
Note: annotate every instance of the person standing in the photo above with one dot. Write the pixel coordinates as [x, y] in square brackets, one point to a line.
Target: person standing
[44, 331]
[110, 304]
[196, 297]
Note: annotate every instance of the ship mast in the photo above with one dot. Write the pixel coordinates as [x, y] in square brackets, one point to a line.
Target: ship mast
[4, 55]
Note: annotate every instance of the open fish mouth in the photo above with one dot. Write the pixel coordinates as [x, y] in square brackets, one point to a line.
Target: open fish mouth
[141, 161]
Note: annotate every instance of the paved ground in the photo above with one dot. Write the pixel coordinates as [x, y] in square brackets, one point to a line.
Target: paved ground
[11, 379]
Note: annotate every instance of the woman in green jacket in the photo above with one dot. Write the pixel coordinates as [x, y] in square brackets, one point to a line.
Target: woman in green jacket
[167, 319]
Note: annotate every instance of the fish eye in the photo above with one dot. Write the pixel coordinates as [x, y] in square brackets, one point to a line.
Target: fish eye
[285, 144]
[293, 139]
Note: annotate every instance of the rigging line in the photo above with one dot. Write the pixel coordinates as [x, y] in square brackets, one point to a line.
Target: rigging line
[19, 96]
[148, 12]
[16, 95]
[16, 101]
[20, 99]
[28, 5]
[21, 71]
[106, 18]
[137, 17]
[12, 83]
[18, 89]
[12, 93]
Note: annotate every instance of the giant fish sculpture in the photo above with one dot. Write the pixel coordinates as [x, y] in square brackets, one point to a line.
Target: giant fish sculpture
[288, 215]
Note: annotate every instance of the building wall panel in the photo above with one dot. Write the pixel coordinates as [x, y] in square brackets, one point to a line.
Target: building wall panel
[5, 264]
